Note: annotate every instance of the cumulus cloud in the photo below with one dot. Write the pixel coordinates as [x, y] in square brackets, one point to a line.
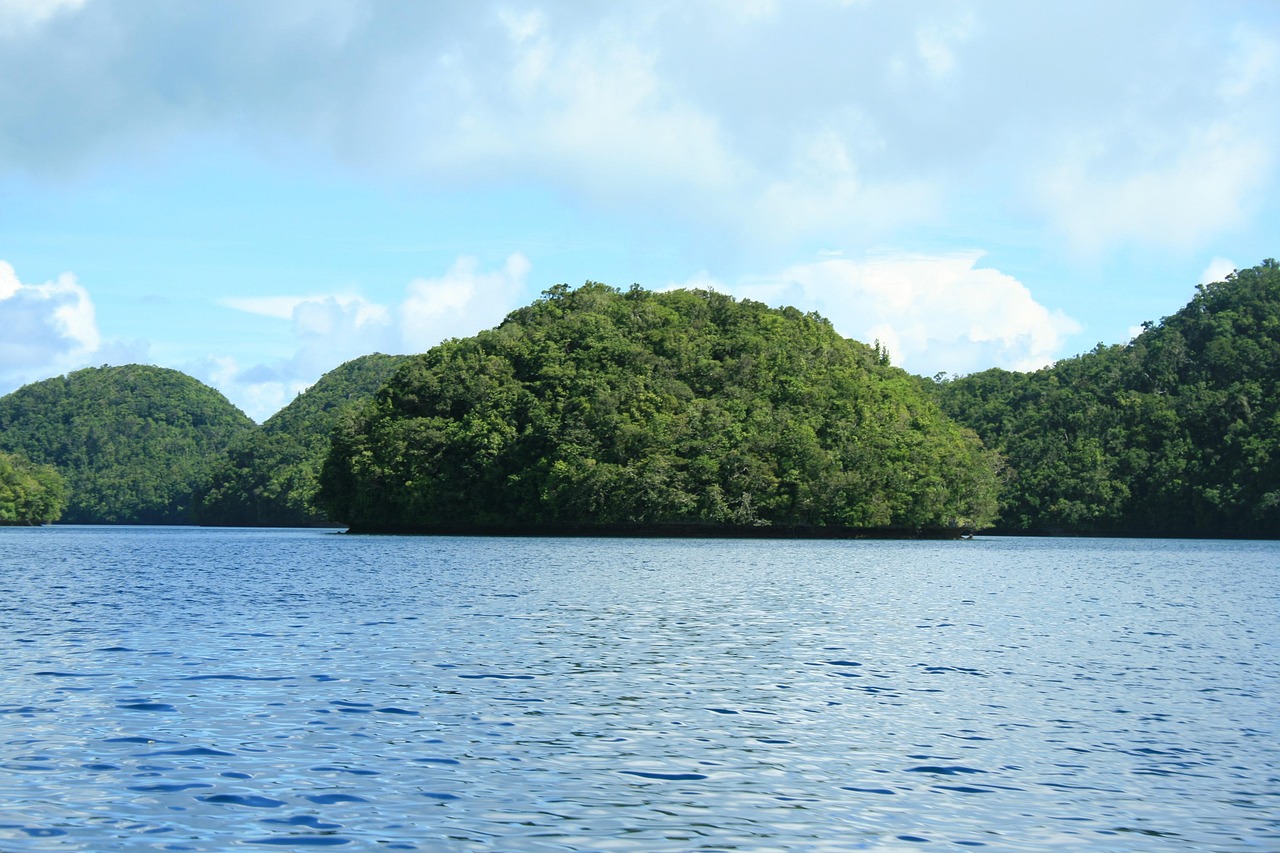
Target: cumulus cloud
[932, 313]
[47, 328]
[327, 329]
[461, 302]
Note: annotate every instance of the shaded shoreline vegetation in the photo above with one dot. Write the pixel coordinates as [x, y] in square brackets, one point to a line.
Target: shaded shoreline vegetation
[597, 411]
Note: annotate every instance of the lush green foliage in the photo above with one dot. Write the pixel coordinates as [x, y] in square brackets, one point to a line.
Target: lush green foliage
[268, 477]
[133, 442]
[593, 406]
[1177, 433]
[29, 494]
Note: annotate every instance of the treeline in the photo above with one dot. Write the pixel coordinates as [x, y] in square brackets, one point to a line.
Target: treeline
[1176, 433]
[686, 411]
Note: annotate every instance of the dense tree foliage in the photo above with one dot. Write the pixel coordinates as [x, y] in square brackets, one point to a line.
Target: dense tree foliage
[133, 442]
[1176, 433]
[29, 493]
[598, 407]
[268, 477]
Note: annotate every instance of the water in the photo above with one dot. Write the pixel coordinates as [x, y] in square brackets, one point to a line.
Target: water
[206, 690]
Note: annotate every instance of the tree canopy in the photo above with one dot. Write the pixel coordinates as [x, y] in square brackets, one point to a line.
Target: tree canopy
[1175, 433]
[598, 407]
[133, 442]
[29, 493]
[268, 477]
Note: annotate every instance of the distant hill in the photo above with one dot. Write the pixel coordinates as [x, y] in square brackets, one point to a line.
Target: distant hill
[1176, 433]
[132, 442]
[268, 476]
[593, 408]
[29, 494]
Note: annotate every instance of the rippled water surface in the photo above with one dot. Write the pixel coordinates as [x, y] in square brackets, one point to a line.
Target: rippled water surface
[187, 689]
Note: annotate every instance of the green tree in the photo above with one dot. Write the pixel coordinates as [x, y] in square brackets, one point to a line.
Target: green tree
[29, 493]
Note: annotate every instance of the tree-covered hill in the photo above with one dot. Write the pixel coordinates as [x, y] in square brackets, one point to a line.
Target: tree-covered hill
[29, 494]
[1176, 433]
[133, 442]
[593, 407]
[268, 476]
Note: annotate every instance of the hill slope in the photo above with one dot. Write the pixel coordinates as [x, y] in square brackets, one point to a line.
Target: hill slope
[595, 407]
[133, 442]
[268, 476]
[1176, 433]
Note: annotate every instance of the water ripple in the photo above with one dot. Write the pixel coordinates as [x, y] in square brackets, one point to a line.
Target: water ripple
[203, 690]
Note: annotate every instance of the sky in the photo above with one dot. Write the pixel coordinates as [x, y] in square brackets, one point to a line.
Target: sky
[254, 193]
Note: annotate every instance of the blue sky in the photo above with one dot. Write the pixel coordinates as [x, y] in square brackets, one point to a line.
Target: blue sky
[256, 192]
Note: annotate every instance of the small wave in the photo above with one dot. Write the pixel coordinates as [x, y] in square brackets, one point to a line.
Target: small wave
[229, 677]
[334, 799]
[666, 777]
[57, 674]
[302, 841]
[309, 821]
[251, 800]
[195, 750]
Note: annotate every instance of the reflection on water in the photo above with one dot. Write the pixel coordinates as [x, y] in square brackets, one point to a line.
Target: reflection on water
[182, 689]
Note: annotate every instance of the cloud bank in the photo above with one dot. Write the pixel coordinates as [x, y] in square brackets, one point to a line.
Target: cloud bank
[834, 122]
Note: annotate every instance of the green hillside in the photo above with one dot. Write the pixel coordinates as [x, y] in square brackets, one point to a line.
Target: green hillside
[268, 476]
[132, 442]
[598, 407]
[1176, 433]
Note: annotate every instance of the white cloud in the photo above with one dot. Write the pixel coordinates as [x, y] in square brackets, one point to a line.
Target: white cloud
[727, 117]
[933, 313]
[461, 302]
[48, 328]
[824, 192]
[330, 329]
[19, 17]
[936, 43]
[1254, 63]
[1177, 198]
[1218, 270]
[279, 307]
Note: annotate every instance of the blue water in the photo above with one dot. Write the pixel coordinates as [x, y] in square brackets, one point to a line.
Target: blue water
[206, 690]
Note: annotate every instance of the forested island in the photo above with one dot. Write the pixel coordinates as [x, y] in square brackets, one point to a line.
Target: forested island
[134, 443]
[686, 412]
[600, 410]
